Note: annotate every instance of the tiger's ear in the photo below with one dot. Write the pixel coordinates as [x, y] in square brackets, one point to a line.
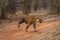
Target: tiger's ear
[40, 20]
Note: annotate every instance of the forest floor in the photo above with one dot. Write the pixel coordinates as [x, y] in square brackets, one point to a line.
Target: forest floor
[49, 29]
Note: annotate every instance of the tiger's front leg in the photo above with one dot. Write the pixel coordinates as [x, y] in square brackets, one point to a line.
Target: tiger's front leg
[40, 20]
[28, 26]
[34, 26]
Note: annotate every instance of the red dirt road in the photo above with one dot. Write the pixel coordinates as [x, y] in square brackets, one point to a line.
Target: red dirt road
[11, 32]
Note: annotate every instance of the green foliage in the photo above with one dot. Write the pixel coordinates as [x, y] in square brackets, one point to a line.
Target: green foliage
[56, 3]
[55, 7]
[52, 11]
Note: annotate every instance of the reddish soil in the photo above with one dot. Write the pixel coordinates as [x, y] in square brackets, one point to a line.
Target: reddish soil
[9, 31]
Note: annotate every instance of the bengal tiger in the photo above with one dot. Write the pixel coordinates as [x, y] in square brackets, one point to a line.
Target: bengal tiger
[30, 20]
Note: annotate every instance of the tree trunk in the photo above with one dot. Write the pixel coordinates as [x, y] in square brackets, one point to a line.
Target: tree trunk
[44, 4]
[36, 5]
[26, 7]
[58, 10]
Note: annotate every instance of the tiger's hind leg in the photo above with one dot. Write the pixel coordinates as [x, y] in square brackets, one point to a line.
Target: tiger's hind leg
[20, 22]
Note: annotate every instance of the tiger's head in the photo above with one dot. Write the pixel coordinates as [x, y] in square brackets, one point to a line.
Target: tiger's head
[39, 19]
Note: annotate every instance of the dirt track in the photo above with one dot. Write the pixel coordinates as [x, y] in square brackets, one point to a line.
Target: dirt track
[11, 32]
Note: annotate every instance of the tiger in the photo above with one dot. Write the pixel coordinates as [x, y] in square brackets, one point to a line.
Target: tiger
[30, 20]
